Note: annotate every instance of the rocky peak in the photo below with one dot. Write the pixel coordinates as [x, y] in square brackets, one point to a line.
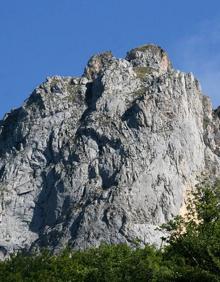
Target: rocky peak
[97, 64]
[151, 57]
[106, 157]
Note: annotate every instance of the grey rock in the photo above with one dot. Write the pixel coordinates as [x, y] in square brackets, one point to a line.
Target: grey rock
[106, 157]
[151, 57]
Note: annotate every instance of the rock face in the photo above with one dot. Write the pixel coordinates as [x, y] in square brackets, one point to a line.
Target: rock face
[106, 157]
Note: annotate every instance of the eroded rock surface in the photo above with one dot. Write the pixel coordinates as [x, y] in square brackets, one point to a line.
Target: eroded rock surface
[106, 157]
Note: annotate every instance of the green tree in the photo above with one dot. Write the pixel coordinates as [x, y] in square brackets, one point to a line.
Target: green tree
[194, 242]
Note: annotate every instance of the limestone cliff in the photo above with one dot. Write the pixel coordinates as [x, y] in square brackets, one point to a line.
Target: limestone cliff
[106, 157]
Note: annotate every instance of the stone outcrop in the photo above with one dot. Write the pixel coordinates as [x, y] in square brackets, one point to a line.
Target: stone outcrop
[106, 157]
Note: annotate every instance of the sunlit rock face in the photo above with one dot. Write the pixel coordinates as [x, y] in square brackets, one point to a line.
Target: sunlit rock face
[150, 56]
[106, 157]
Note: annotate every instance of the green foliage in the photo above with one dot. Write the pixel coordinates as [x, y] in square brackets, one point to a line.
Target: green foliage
[194, 243]
[106, 263]
[142, 72]
[148, 47]
[192, 253]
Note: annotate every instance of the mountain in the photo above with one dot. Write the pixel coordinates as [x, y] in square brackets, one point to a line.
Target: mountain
[105, 157]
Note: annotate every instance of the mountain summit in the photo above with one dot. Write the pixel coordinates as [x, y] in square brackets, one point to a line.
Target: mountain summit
[105, 157]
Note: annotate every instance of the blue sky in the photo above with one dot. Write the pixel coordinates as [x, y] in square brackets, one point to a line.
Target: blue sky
[49, 37]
